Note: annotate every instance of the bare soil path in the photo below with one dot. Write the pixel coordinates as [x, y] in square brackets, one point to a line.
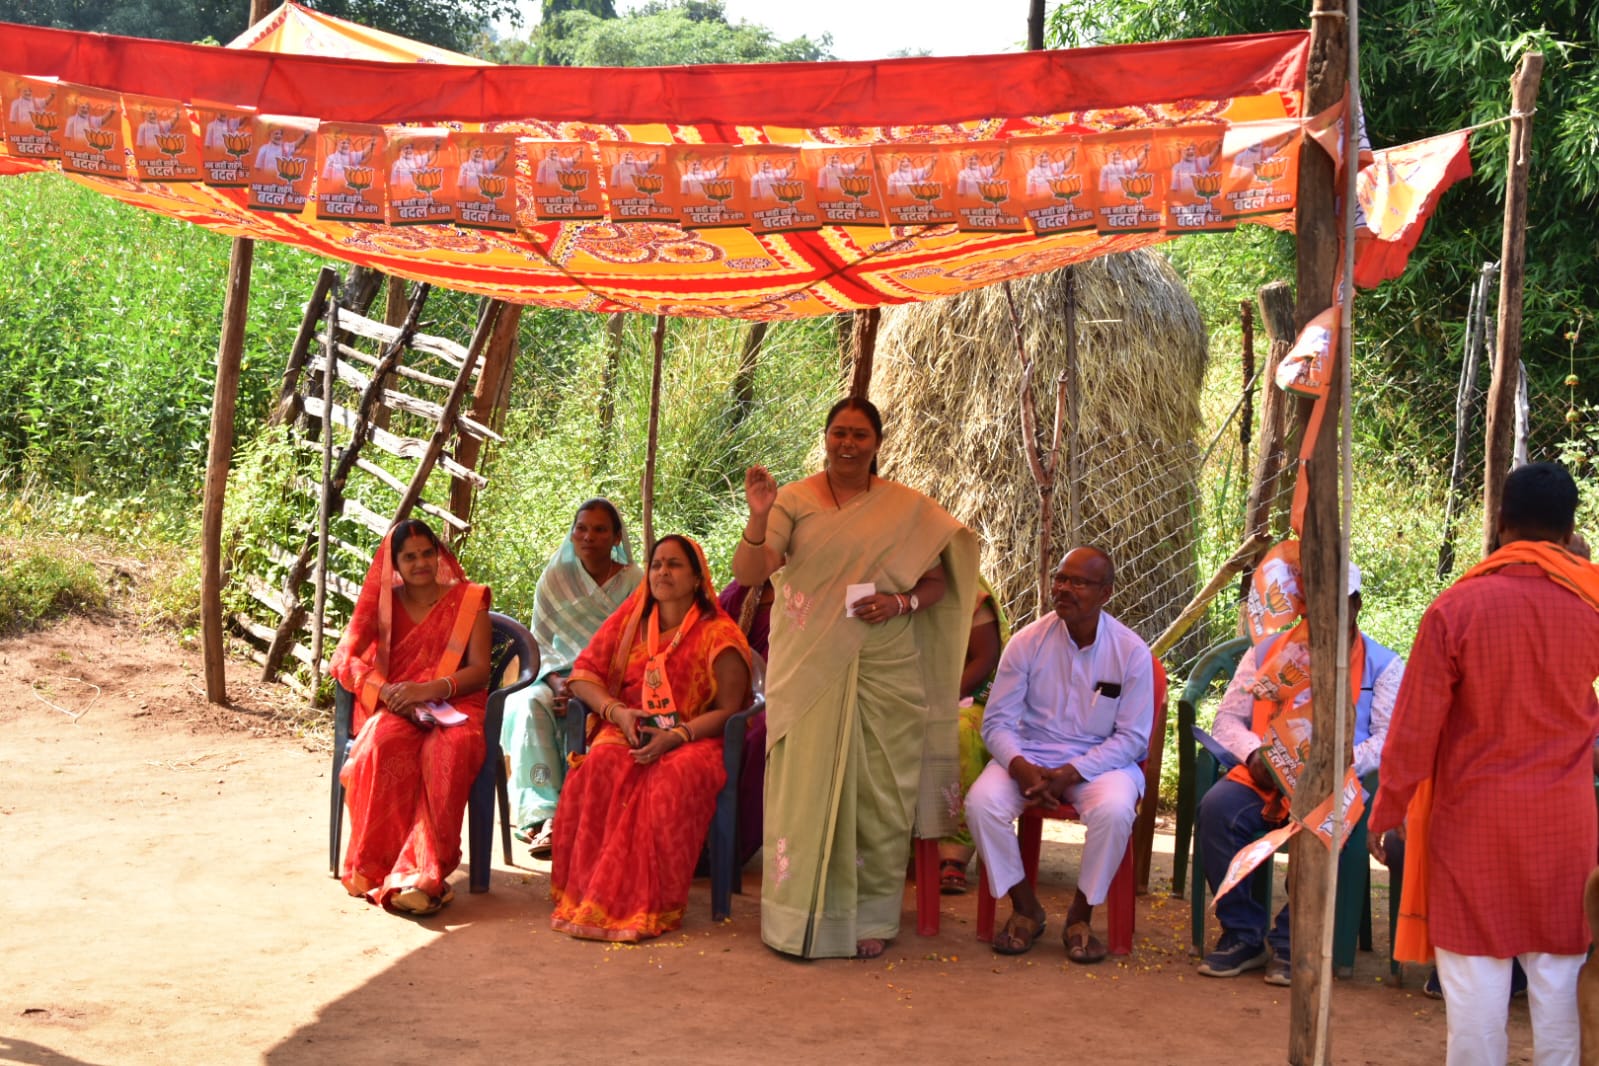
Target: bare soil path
[169, 902]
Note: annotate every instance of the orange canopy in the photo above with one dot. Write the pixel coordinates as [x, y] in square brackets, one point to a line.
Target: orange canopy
[296, 30]
[760, 191]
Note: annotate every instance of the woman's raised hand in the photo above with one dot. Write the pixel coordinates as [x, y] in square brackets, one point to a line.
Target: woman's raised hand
[760, 491]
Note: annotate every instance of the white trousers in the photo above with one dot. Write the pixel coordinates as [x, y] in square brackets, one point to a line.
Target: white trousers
[1107, 805]
[1477, 1006]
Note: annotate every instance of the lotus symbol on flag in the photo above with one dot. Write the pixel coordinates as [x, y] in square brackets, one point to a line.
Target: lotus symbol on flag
[46, 122]
[1137, 186]
[1269, 170]
[1067, 188]
[171, 144]
[649, 184]
[492, 186]
[100, 140]
[359, 179]
[719, 189]
[856, 185]
[572, 181]
[427, 180]
[237, 143]
[789, 192]
[1207, 185]
[291, 168]
[995, 192]
[927, 191]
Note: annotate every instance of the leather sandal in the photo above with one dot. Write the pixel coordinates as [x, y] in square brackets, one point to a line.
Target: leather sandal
[1018, 935]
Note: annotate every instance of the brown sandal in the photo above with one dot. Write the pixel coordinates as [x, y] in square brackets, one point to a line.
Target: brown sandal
[1082, 945]
[1019, 934]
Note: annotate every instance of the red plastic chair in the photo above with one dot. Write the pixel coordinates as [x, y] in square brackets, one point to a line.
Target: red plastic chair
[1120, 903]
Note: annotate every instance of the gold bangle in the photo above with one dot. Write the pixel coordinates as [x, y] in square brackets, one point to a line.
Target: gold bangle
[688, 737]
[745, 537]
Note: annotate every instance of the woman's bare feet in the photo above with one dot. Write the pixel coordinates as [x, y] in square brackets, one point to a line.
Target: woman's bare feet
[870, 948]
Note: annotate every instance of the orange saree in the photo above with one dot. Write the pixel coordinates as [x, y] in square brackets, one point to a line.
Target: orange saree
[627, 835]
[406, 787]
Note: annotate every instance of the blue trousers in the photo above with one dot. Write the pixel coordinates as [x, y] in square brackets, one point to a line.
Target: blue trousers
[1230, 816]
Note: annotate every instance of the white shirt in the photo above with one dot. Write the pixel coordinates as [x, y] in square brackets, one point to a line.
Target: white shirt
[1052, 701]
[1235, 714]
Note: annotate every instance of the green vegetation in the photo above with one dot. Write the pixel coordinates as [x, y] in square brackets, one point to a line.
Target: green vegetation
[655, 34]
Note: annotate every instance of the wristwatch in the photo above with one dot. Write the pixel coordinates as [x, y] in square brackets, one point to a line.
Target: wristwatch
[915, 603]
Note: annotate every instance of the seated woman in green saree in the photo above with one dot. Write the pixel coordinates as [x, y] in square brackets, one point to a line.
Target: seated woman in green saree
[874, 603]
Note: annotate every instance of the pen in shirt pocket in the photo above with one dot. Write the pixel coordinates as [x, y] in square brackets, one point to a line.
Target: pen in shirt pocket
[1109, 689]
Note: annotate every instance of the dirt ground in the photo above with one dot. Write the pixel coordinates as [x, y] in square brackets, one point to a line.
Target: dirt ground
[170, 903]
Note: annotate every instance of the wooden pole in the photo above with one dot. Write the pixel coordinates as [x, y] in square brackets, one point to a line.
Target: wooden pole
[1072, 387]
[219, 457]
[1043, 465]
[863, 346]
[1318, 246]
[744, 380]
[1513, 260]
[1246, 419]
[325, 500]
[1277, 312]
[488, 402]
[1035, 25]
[1465, 393]
[647, 492]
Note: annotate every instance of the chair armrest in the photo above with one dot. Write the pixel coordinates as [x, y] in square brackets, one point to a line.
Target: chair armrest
[577, 713]
[733, 733]
[1224, 758]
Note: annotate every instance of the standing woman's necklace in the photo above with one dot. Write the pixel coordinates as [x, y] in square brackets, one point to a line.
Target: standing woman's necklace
[828, 476]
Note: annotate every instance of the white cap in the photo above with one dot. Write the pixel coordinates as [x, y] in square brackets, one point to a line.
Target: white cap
[1354, 579]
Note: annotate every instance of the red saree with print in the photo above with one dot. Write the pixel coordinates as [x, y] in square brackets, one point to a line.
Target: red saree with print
[406, 787]
[627, 835]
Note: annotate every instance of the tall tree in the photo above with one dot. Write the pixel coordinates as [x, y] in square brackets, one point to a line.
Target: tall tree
[1427, 67]
[659, 33]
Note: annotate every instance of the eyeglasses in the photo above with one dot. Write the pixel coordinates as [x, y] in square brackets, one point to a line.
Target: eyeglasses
[1077, 584]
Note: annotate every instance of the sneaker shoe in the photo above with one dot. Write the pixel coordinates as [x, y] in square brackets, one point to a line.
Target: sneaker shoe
[1432, 989]
[1518, 979]
[1232, 957]
[1279, 971]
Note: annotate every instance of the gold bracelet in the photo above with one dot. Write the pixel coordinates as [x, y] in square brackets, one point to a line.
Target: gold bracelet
[688, 737]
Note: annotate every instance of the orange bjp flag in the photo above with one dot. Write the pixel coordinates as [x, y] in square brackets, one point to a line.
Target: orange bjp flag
[847, 189]
[281, 164]
[565, 186]
[418, 164]
[916, 183]
[165, 142]
[988, 182]
[32, 110]
[639, 184]
[1056, 190]
[1191, 157]
[227, 142]
[485, 180]
[711, 185]
[91, 133]
[1260, 168]
[1397, 193]
[350, 172]
[782, 196]
[1128, 185]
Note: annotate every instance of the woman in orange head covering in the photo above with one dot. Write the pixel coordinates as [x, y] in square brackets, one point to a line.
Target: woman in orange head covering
[662, 675]
[419, 639]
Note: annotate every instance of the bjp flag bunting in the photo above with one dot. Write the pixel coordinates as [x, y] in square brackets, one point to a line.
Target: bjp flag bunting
[227, 139]
[1128, 193]
[987, 188]
[565, 181]
[91, 137]
[33, 116]
[712, 189]
[1398, 192]
[166, 145]
[350, 172]
[1276, 598]
[1056, 187]
[914, 179]
[781, 196]
[1261, 175]
[638, 184]
[1192, 161]
[846, 185]
[485, 181]
[280, 170]
[414, 158]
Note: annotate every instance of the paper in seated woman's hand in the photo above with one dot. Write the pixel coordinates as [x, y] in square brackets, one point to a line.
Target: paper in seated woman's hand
[877, 608]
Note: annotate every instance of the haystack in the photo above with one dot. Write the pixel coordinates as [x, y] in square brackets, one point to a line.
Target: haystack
[947, 377]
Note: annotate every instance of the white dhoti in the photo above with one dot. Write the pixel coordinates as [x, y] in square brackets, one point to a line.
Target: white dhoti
[1476, 1007]
[1107, 806]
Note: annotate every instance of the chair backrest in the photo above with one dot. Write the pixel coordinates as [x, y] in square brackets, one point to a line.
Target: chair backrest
[1157, 727]
[1219, 660]
[511, 642]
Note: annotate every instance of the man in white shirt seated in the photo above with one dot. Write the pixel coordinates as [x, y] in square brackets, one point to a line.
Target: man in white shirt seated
[1068, 719]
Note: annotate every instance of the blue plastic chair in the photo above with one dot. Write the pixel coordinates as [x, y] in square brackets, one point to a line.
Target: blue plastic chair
[1217, 662]
[511, 641]
[721, 840]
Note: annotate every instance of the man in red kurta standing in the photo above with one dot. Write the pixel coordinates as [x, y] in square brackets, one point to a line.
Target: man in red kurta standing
[1490, 749]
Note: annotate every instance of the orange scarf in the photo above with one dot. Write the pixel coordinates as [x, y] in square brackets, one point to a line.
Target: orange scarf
[1412, 936]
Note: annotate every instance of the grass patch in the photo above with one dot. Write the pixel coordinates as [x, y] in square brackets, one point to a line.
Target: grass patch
[37, 584]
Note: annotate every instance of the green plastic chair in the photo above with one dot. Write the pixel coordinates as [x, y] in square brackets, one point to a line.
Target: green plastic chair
[1217, 661]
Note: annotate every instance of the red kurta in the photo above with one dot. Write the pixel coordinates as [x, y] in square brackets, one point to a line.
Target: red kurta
[1497, 706]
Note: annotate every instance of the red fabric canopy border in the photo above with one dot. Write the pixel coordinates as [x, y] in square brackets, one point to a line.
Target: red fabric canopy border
[879, 93]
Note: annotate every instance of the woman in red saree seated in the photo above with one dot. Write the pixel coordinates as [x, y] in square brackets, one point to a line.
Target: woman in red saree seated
[662, 676]
[420, 637]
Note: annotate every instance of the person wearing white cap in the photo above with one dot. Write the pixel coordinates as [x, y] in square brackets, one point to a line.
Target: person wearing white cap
[1246, 803]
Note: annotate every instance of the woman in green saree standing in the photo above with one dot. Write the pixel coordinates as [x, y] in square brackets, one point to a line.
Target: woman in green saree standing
[874, 603]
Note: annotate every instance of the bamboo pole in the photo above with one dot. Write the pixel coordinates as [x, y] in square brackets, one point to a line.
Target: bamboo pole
[219, 456]
[1327, 79]
[325, 501]
[1513, 260]
[647, 492]
[863, 348]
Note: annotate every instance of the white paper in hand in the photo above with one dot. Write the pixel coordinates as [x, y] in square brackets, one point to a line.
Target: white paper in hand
[856, 592]
[443, 713]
